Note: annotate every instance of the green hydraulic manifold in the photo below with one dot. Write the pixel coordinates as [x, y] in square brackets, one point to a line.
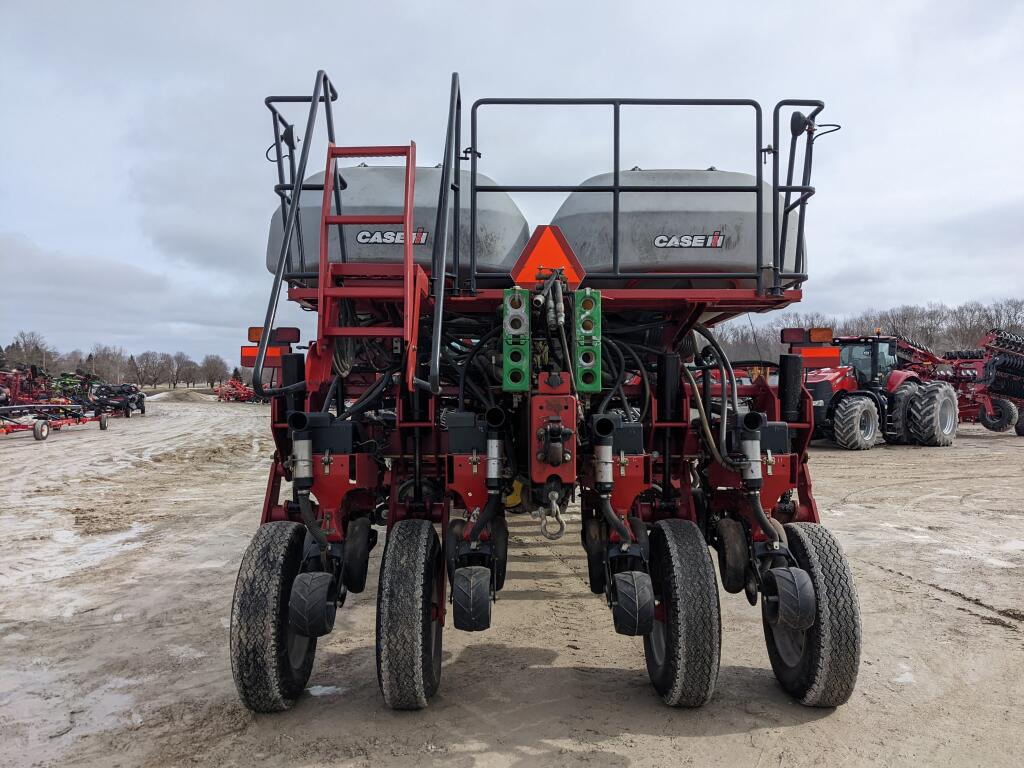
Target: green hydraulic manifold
[515, 347]
[588, 340]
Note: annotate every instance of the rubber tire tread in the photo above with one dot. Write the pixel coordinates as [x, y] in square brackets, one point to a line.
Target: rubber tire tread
[407, 673]
[900, 426]
[924, 414]
[827, 675]
[1009, 416]
[307, 610]
[693, 633]
[846, 423]
[732, 548]
[263, 675]
[634, 609]
[471, 598]
[357, 555]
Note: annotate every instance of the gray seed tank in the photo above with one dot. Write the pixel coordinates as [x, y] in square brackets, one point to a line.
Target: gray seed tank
[502, 228]
[674, 231]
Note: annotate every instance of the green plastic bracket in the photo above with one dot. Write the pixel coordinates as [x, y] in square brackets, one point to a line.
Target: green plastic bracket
[515, 347]
[588, 340]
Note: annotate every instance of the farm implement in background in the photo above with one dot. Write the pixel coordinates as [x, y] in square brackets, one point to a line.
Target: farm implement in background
[234, 391]
[989, 381]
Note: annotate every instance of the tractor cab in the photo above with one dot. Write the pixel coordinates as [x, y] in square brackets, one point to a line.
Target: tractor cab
[871, 358]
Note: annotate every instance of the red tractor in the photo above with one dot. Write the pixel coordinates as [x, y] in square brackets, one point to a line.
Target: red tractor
[464, 368]
[866, 386]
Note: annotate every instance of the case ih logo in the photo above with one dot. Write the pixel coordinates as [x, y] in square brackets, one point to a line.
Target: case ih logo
[714, 240]
[382, 237]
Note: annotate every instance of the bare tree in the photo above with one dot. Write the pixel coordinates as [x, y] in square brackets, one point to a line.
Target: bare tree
[181, 361]
[214, 369]
[147, 367]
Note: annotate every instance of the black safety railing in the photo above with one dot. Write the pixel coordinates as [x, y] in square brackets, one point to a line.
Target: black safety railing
[439, 270]
[290, 193]
[779, 277]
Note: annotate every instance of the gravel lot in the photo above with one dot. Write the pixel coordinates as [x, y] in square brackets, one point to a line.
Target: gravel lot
[120, 556]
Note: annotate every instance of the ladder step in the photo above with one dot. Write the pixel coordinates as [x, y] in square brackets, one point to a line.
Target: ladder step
[366, 219]
[385, 151]
[364, 292]
[365, 331]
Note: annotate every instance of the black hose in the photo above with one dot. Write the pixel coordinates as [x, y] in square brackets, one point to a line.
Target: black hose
[330, 394]
[762, 518]
[370, 396]
[469, 361]
[614, 520]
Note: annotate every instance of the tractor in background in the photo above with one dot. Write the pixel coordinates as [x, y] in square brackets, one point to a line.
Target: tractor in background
[866, 386]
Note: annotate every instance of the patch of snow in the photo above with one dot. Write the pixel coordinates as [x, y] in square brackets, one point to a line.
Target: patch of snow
[323, 690]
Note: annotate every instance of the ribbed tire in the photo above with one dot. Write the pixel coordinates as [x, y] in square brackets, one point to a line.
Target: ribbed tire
[408, 636]
[855, 423]
[898, 429]
[818, 666]
[471, 598]
[633, 612]
[1005, 415]
[934, 415]
[683, 649]
[269, 661]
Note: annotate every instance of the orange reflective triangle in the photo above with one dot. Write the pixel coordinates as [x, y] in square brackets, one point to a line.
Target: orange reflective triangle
[547, 250]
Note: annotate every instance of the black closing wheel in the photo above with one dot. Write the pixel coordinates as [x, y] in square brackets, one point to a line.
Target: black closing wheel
[683, 648]
[471, 598]
[357, 554]
[818, 666]
[270, 661]
[633, 610]
[1019, 429]
[499, 543]
[408, 609]
[733, 554]
[594, 543]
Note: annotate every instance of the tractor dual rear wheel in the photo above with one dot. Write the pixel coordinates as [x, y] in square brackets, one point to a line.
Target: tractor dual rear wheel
[270, 661]
[818, 666]
[934, 414]
[898, 428]
[683, 649]
[855, 423]
[409, 627]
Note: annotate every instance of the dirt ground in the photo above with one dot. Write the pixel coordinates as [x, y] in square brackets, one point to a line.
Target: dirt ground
[119, 557]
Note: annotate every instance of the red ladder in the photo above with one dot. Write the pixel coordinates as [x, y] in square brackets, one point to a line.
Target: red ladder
[412, 279]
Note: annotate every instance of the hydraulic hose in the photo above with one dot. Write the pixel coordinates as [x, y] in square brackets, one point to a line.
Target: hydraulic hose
[330, 395]
[614, 520]
[469, 362]
[312, 524]
[370, 396]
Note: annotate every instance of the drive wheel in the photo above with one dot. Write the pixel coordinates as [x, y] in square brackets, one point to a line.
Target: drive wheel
[1004, 415]
[855, 423]
[818, 666]
[898, 429]
[409, 628]
[934, 415]
[683, 648]
[269, 660]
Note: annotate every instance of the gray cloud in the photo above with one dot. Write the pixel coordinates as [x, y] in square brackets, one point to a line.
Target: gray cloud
[134, 178]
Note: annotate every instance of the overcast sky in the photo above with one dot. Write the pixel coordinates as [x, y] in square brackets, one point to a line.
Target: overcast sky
[135, 197]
